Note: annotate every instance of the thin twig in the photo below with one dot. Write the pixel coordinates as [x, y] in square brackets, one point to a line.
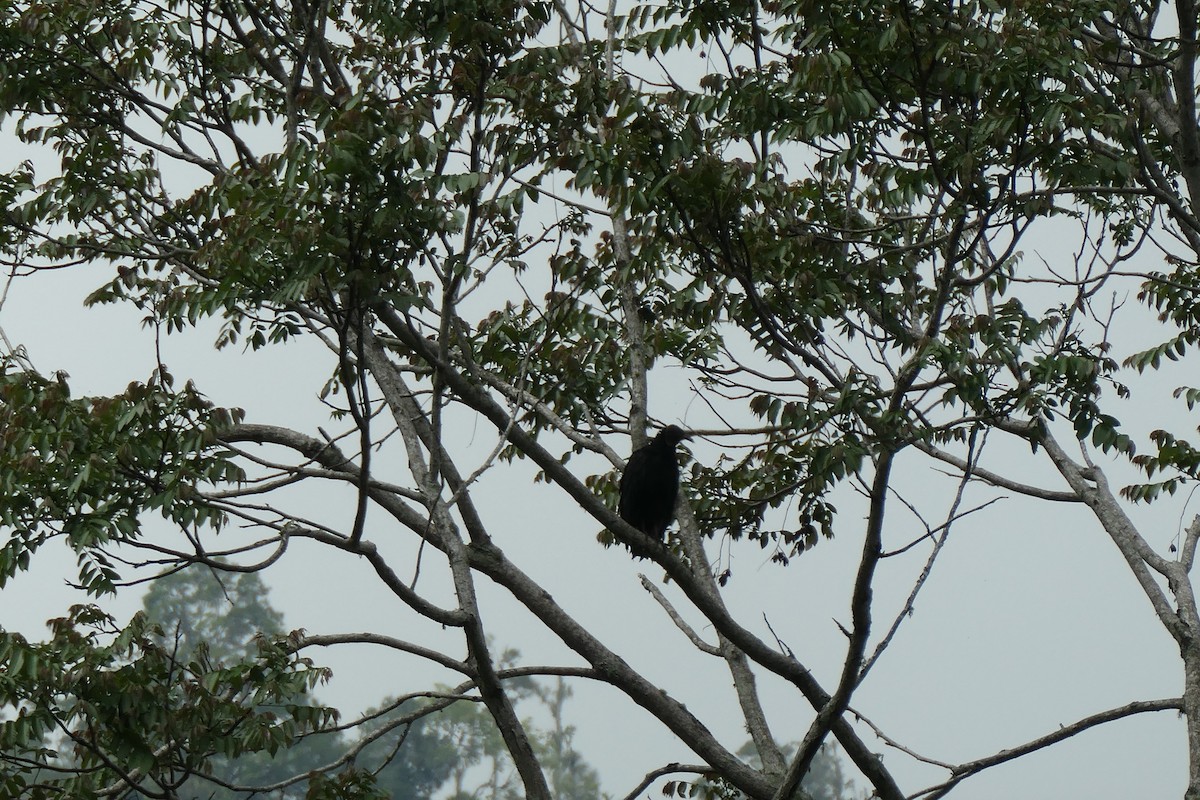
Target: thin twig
[657, 594]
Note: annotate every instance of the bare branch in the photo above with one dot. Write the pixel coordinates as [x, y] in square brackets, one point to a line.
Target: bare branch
[997, 479]
[970, 768]
[668, 769]
[694, 637]
[329, 640]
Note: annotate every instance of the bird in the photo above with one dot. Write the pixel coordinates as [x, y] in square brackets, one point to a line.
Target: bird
[650, 484]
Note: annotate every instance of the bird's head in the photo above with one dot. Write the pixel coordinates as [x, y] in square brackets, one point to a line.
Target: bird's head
[673, 435]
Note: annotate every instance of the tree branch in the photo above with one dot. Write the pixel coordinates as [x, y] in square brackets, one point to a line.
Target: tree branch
[970, 768]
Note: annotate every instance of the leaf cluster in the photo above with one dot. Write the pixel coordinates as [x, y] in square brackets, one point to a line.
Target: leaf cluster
[97, 706]
[87, 470]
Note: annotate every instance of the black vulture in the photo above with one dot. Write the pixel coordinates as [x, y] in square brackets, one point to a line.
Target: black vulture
[650, 485]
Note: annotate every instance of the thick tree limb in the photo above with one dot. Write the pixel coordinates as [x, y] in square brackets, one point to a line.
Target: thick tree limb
[579, 640]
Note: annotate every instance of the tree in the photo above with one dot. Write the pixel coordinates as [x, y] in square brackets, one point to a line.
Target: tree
[569, 776]
[458, 742]
[222, 613]
[220, 619]
[840, 225]
[98, 709]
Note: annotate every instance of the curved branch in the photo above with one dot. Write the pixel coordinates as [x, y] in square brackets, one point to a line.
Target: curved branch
[964, 771]
[329, 456]
[454, 618]
[331, 639]
[996, 479]
[668, 769]
[691, 634]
